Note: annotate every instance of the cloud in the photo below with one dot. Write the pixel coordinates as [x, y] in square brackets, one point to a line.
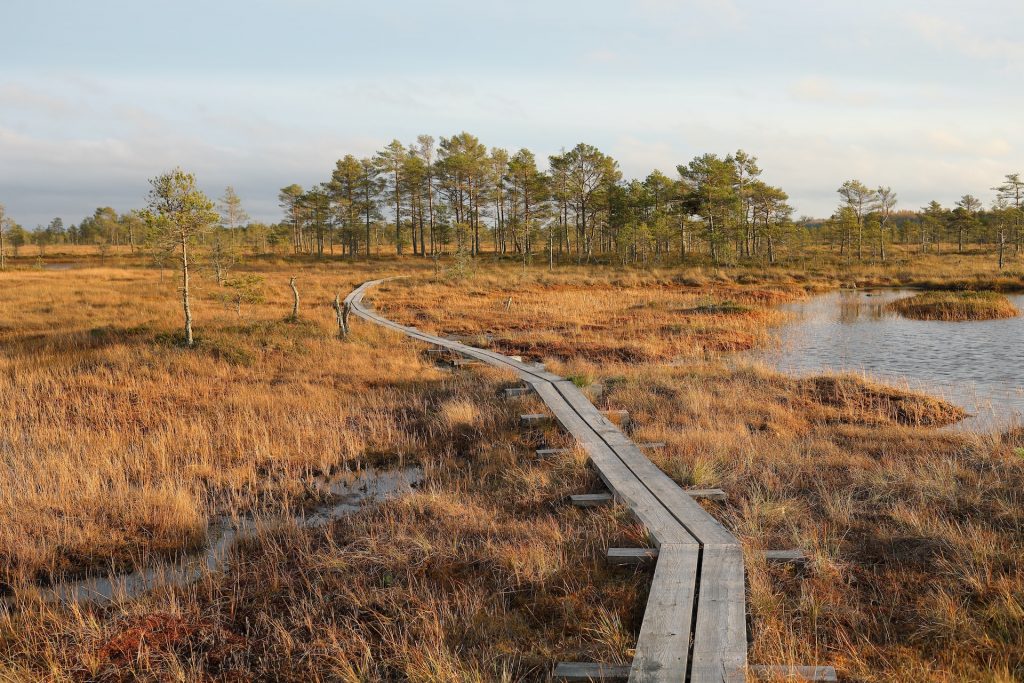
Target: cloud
[952, 142]
[825, 91]
[26, 98]
[946, 34]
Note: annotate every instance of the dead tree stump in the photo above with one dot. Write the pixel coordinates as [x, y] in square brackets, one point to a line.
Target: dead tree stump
[295, 300]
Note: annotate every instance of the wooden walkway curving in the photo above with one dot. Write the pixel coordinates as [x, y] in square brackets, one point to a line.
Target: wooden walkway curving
[694, 626]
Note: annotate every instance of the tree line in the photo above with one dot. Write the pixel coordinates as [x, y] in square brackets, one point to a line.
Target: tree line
[454, 195]
[866, 222]
[458, 195]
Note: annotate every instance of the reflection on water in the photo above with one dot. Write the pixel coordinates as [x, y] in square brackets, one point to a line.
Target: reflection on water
[348, 492]
[978, 365]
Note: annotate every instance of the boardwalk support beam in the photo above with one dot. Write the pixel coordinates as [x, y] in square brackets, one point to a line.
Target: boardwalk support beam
[794, 673]
[631, 557]
[785, 556]
[586, 672]
[534, 420]
[709, 494]
[591, 500]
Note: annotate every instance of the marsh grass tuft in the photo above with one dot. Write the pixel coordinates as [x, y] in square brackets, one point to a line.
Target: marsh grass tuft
[955, 306]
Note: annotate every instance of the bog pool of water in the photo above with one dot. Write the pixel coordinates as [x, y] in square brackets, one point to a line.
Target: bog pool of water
[978, 365]
[346, 493]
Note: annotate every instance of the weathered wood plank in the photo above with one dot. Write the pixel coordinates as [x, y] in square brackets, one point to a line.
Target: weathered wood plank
[534, 419]
[525, 370]
[629, 557]
[463, 338]
[795, 556]
[582, 672]
[710, 494]
[681, 506]
[362, 310]
[720, 632]
[512, 392]
[623, 483]
[662, 649]
[548, 452]
[626, 487]
[591, 500]
[794, 673]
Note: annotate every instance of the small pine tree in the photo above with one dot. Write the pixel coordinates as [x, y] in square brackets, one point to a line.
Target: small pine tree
[177, 215]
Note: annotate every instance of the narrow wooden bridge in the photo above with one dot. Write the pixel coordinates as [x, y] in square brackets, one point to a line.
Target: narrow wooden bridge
[694, 626]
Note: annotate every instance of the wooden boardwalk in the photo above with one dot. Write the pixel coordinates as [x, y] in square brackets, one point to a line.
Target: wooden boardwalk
[694, 626]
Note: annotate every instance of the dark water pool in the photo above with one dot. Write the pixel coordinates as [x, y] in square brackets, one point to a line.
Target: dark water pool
[978, 365]
[347, 492]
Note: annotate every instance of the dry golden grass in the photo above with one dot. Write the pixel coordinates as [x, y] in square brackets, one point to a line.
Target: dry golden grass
[125, 444]
[485, 573]
[627, 316]
[905, 267]
[948, 306]
[915, 533]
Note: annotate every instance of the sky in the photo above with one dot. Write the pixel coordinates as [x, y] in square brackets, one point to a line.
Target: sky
[97, 97]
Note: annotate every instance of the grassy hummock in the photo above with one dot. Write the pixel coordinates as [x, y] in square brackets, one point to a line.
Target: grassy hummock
[968, 305]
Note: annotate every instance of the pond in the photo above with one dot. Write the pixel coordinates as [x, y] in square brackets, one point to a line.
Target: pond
[978, 365]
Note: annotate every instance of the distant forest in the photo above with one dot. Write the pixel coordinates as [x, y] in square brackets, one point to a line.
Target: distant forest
[454, 196]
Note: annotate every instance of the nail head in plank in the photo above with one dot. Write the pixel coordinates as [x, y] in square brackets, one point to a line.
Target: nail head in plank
[591, 500]
[622, 557]
[581, 672]
[795, 673]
